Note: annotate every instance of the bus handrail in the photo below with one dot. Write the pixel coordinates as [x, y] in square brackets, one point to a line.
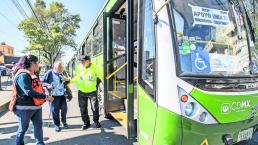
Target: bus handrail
[116, 58]
[112, 74]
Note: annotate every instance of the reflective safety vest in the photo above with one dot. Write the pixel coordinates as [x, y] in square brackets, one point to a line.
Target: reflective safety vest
[36, 86]
[86, 78]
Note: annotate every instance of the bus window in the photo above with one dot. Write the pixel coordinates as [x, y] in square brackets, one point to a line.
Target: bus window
[211, 37]
[252, 11]
[256, 22]
[119, 40]
[88, 46]
[83, 49]
[119, 37]
[148, 54]
[98, 38]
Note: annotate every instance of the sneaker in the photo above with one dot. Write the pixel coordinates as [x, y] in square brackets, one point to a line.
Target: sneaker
[85, 126]
[96, 125]
[57, 129]
[65, 126]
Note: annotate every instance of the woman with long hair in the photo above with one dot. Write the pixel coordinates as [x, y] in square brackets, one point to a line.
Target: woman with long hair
[29, 98]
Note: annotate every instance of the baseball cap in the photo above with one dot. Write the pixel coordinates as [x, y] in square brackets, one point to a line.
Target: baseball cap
[84, 57]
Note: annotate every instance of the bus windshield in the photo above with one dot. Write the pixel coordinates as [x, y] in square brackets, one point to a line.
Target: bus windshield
[251, 7]
[213, 38]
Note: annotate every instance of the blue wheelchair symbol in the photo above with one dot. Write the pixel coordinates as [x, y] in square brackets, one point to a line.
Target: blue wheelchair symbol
[200, 62]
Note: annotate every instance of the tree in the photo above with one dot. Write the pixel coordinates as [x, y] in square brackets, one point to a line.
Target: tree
[51, 30]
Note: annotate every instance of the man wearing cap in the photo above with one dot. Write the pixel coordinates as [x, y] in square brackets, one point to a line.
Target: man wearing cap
[86, 81]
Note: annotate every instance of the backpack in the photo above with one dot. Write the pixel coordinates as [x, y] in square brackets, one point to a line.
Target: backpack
[68, 93]
[13, 98]
[36, 86]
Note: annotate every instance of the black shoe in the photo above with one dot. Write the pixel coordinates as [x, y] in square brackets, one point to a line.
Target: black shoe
[96, 125]
[57, 129]
[65, 125]
[85, 126]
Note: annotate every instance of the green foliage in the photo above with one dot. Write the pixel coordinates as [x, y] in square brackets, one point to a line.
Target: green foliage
[55, 30]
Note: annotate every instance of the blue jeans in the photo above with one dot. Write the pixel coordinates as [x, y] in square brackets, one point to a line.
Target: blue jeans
[59, 104]
[24, 117]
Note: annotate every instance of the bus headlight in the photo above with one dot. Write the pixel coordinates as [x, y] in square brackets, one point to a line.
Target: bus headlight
[190, 109]
[203, 117]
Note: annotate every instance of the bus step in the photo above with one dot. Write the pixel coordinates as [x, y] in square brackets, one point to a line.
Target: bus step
[121, 117]
[117, 94]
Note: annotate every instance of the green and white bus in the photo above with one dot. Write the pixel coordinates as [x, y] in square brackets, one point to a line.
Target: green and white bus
[178, 72]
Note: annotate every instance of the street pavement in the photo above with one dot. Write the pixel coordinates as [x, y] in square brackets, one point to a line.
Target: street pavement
[111, 132]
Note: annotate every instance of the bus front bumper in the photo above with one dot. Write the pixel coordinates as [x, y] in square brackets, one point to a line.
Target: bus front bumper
[195, 133]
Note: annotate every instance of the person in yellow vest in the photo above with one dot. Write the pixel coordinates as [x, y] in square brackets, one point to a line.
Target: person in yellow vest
[86, 78]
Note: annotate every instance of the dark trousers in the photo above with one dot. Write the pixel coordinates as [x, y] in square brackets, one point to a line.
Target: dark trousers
[59, 104]
[83, 104]
[24, 118]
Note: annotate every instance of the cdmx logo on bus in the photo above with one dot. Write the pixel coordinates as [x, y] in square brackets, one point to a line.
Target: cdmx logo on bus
[237, 106]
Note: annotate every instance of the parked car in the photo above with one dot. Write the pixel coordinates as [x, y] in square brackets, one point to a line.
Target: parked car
[3, 70]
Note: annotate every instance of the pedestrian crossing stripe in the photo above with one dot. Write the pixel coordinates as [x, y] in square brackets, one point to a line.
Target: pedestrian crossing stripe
[205, 142]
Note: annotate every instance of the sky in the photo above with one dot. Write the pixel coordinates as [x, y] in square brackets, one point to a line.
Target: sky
[10, 18]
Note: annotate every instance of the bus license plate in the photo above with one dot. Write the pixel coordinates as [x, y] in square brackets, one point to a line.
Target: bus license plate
[245, 134]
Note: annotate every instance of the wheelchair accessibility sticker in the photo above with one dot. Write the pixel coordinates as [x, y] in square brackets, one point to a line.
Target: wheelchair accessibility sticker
[200, 62]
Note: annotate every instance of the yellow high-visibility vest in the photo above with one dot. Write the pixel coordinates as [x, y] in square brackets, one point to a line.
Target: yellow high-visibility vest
[86, 78]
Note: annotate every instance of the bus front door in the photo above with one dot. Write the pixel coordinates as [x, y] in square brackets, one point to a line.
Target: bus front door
[115, 66]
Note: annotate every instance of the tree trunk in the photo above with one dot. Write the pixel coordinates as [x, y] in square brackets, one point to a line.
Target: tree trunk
[51, 61]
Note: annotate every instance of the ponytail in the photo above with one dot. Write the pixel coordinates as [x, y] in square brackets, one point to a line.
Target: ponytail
[24, 63]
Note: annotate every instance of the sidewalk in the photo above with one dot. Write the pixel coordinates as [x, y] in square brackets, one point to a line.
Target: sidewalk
[111, 132]
[5, 97]
[6, 94]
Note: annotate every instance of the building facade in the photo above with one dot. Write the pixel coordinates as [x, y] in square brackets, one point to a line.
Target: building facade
[5, 50]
